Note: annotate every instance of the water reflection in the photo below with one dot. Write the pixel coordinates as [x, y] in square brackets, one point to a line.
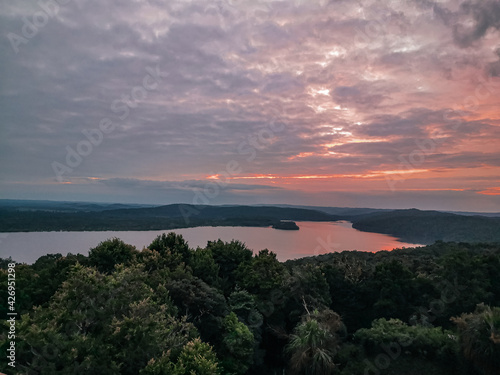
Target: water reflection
[313, 238]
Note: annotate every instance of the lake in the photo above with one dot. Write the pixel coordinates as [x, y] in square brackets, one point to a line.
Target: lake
[313, 238]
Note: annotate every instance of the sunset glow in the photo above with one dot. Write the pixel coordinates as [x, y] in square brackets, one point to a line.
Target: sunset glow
[372, 103]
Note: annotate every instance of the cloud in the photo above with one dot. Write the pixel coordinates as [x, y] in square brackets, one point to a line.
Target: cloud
[359, 96]
[486, 16]
[189, 185]
[355, 85]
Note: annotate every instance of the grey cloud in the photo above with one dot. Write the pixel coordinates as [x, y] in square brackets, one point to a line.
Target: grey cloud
[465, 160]
[494, 67]
[131, 183]
[281, 83]
[486, 15]
[361, 96]
[234, 68]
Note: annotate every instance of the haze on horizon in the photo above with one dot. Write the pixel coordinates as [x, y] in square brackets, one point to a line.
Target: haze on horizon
[370, 103]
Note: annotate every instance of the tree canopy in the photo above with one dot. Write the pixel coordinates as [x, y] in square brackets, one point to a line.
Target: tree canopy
[221, 309]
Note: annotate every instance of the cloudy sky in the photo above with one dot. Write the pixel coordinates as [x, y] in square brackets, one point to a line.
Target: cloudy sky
[370, 103]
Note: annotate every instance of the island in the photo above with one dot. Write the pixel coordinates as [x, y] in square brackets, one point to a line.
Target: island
[286, 225]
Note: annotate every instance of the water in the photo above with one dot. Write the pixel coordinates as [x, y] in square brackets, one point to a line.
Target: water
[313, 238]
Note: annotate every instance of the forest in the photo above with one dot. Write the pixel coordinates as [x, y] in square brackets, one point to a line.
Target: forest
[170, 309]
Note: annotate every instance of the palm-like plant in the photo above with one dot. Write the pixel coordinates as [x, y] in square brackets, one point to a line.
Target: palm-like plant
[480, 338]
[314, 344]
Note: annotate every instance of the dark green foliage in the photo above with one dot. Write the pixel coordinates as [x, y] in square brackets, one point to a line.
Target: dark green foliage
[196, 358]
[36, 284]
[4, 263]
[52, 271]
[352, 294]
[480, 338]
[400, 344]
[468, 282]
[263, 274]
[109, 253]
[158, 311]
[203, 264]
[314, 343]
[308, 284]
[228, 256]
[243, 305]
[15, 219]
[172, 244]
[100, 324]
[426, 342]
[396, 289]
[237, 346]
[415, 226]
[204, 305]
[286, 225]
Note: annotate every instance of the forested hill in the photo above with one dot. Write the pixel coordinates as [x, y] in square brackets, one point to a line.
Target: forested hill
[414, 226]
[152, 218]
[426, 227]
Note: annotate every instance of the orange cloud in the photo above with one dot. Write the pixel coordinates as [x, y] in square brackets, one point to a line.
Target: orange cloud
[490, 191]
[368, 175]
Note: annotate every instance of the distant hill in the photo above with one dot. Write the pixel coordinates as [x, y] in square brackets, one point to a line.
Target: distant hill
[414, 226]
[426, 227]
[344, 212]
[62, 206]
[152, 218]
[488, 214]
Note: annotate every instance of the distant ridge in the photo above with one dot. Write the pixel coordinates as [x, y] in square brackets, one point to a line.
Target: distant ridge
[151, 218]
[410, 225]
[426, 227]
[64, 206]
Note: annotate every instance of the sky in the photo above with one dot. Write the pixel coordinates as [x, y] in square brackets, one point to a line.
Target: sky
[370, 103]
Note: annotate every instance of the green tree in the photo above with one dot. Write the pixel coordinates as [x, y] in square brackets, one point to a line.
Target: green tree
[203, 265]
[430, 343]
[171, 244]
[466, 274]
[350, 280]
[396, 290]
[103, 324]
[308, 282]
[228, 256]
[204, 305]
[154, 261]
[40, 281]
[196, 358]
[237, 346]
[244, 306]
[52, 271]
[109, 253]
[161, 366]
[144, 332]
[263, 274]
